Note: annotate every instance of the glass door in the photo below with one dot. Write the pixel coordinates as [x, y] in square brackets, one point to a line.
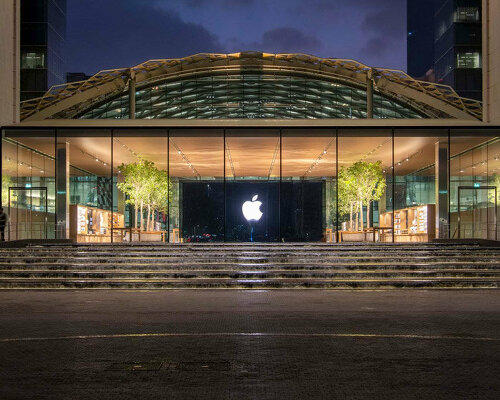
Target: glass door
[477, 212]
[27, 213]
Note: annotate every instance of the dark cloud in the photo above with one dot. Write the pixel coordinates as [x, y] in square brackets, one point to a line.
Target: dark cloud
[114, 36]
[318, 9]
[225, 3]
[195, 3]
[285, 40]
[121, 33]
[376, 46]
[385, 28]
[385, 23]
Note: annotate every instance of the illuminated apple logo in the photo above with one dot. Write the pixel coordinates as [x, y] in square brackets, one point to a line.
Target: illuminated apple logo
[251, 209]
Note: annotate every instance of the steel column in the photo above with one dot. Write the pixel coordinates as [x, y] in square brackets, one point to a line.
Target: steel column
[62, 190]
[442, 191]
[131, 95]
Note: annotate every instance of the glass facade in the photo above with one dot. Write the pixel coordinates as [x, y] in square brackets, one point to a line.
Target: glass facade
[43, 31]
[457, 46]
[250, 95]
[313, 184]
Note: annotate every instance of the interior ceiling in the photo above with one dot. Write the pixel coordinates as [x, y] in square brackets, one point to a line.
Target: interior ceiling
[249, 156]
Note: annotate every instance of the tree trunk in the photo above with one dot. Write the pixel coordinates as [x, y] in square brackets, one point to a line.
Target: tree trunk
[368, 215]
[361, 215]
[153, 219]
[142, 215]
[357, 221]
[350, 216]
[136, 214]
[148, 220]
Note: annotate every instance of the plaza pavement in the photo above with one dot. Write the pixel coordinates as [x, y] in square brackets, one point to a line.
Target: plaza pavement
[232, 344]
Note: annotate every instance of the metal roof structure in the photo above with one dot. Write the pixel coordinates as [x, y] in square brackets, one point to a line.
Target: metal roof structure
[73, 99]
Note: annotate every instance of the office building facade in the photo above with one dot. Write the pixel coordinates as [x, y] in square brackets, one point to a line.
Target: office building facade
[42, 37]
[450, 30]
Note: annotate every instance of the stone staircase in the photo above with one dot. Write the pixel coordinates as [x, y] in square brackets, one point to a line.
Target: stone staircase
[250, 266]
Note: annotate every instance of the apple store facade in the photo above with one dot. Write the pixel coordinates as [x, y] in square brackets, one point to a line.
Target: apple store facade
[251, 147]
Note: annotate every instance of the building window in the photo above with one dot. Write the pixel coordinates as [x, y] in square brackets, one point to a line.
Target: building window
[33, 60]
[469, 60]
[467, 14]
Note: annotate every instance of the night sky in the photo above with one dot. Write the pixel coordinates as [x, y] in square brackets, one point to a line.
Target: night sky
[104, 34]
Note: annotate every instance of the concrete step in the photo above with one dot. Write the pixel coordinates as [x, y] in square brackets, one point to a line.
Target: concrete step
[310, 265]
[235, 274]
[262, 266]
[229, 283]
[248, 260]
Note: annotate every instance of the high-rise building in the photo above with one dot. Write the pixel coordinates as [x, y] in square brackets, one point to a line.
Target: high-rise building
[457, 46]
[43, 31]
[451, 30]
[420, 38]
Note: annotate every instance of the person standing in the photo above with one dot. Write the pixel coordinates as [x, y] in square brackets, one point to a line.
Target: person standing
[3, 223]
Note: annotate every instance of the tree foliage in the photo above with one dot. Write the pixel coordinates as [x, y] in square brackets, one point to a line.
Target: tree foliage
[359, 185]
[6, 183]
[147, 188]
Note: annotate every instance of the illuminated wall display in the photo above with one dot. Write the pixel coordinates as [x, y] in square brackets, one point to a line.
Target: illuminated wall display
[251, 209]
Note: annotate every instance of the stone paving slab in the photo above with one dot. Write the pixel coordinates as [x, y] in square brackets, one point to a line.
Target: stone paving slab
[189, 344]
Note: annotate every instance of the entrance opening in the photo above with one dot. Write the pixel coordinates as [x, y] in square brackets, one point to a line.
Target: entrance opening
[27, 211]
[477, 212]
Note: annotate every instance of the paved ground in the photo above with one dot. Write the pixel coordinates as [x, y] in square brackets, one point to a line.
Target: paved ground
[188, 344]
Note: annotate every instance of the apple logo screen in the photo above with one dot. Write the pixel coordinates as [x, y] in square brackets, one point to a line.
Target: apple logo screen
[248, 211]
[252, 211]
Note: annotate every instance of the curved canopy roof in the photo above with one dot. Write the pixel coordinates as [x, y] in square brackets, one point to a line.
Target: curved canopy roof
[424, 99]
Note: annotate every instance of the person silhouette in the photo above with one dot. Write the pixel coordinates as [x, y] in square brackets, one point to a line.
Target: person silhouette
[3, 223]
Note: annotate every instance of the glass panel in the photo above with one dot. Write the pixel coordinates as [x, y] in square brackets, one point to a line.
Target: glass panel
[250, 96]
[476, 213]
[415, 183]
[196, 167]
[33, 60]
[141, 185]
[474, 175]
[467, 14]
[90, 197]
[27, 211]
[308, 208]
[252, 185]
[28, 164]
[469, 60]
[365, 185]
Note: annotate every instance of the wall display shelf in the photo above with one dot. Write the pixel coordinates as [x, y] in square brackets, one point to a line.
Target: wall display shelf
[93, 225]
[412, 224]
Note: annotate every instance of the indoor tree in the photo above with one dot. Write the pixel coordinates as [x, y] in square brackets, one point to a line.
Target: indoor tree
[359, 185]
[6, 183]
[347, 195]
[147, 187]
[370, 185]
